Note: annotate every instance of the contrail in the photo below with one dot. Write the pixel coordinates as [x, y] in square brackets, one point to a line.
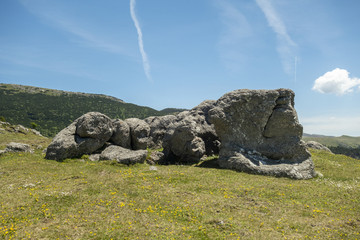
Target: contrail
[286, 46]
[145, 59]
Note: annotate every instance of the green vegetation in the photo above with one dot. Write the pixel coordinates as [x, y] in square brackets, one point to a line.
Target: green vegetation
[349, 146]
[80, 199]
[52, 110]
[345, 141]
[8, 134]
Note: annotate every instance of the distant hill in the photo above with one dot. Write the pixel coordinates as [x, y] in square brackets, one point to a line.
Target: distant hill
[346, 145]
[49, 110]
[330, 141]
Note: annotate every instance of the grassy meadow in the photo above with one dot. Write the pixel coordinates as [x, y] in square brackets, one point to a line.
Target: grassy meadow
[80, 199]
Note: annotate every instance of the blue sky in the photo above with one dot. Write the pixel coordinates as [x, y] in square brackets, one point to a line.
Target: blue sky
[177, 53]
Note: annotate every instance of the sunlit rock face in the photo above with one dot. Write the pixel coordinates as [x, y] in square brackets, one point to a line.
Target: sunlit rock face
[260, 133]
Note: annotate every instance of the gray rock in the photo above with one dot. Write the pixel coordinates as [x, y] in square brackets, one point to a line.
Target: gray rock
[121, 134]
[85, 135]
[191, 136]
[160, 127]
[63, 145]
[94, 125]
[140, 133]
[260, 133]
[318, 146]
[18, 147]
[123, 155]
[186, 146]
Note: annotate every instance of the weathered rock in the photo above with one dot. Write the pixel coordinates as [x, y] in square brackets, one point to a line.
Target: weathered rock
[85, 135]
[17, 147]
[94, 125]
[258, 129]
[123, 155]
[191, 136]
[140, 133]
[260, 133]
[186, 146]
[159, 128]
[316, 145]
[121, 134]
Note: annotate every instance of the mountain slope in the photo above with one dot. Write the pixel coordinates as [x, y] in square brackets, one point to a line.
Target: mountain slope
[345, 141]
[347, 145]
[50, 110]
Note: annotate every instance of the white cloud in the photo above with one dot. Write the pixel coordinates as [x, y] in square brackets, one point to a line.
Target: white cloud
[286, 46]
[332, 126]
[145, 59]
[336, 81]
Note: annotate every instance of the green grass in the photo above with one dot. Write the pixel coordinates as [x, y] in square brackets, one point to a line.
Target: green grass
[28, 137]
[80, 199]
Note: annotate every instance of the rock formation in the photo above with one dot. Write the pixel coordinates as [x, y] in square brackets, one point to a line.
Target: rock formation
[256, 131]
[85, 135]
[318, 146]
[260, 133]
[17, 147]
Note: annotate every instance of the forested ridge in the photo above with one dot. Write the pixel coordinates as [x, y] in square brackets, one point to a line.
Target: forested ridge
[49, 110]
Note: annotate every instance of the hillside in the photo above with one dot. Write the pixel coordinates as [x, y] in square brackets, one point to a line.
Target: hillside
[330, 141]
[346, 145]
[81, 199]
[50, 110]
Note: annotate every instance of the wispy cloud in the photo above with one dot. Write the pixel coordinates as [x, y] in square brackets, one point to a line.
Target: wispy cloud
[286, 46]
[57, 19]
[146, 63]
[236, 31]
[336, 81]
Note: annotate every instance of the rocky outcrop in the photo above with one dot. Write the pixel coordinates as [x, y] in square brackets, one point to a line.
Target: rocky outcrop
[260, 133]
[84, 136]
[255, 131]
[318, 146]
[17, 147]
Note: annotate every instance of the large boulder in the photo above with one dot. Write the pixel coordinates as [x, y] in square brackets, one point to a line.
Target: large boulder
[160, 127]
[94, 125]
[85, 135]
[260, 133]
[123, 155]
[121, 134]
[139, 132]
